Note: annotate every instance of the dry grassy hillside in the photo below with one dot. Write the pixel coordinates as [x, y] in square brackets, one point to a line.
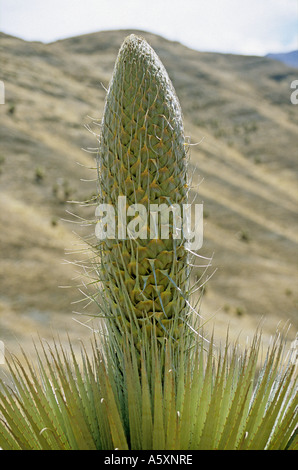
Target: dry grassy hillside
[237, 107]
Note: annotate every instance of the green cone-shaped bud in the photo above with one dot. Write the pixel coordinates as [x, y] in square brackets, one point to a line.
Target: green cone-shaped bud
[142, 156]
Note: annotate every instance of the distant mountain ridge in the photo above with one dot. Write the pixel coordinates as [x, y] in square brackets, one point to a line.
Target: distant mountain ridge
[287, 58]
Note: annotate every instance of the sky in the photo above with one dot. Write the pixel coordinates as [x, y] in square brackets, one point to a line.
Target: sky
[254, 27]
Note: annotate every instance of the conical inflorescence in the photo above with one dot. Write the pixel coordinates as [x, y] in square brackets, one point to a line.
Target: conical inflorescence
[142, 159]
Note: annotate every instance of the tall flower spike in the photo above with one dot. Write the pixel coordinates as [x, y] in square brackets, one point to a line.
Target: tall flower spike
[142, 156]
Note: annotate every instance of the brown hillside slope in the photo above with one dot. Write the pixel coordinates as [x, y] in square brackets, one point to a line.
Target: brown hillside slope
[237, 108]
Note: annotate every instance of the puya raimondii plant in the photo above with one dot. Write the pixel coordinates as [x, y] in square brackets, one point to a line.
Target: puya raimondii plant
[150, 380]
[143, 161]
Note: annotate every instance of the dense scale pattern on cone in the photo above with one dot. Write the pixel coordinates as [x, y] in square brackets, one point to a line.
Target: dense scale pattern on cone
[142, 156]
